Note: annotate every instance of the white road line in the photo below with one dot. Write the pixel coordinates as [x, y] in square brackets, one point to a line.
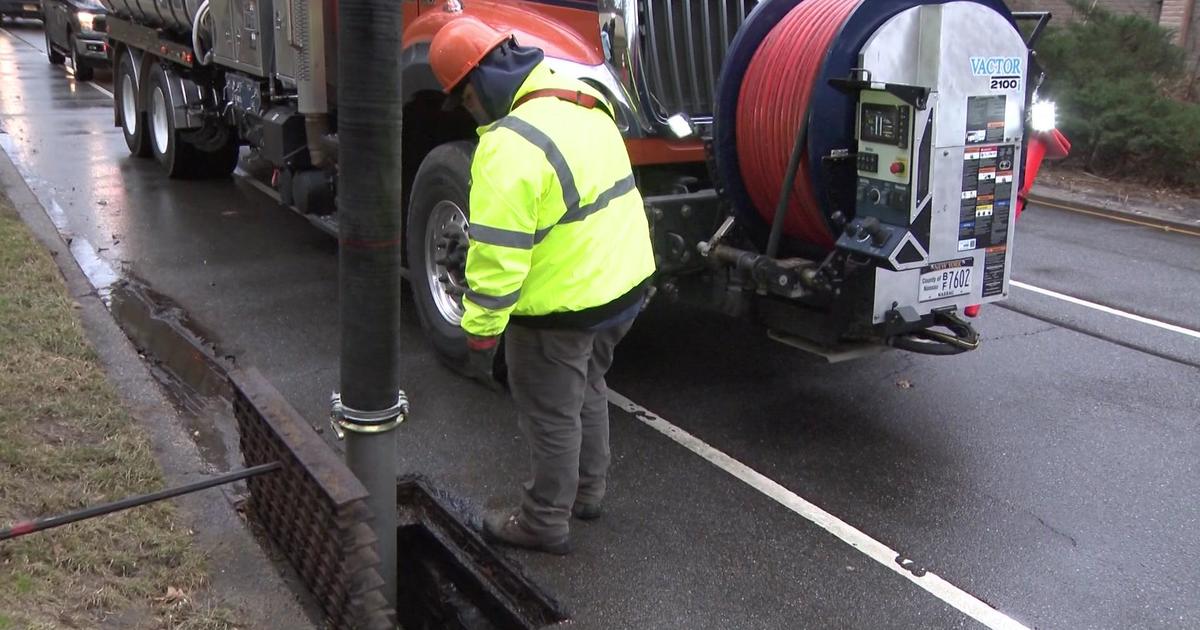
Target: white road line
[965, 602]
[262, 187]
[102, 90]
[1107, 309]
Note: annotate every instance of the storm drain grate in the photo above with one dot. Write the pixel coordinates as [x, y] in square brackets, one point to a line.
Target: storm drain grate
[314, 509]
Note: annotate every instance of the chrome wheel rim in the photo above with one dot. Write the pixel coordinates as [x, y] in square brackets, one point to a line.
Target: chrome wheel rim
[446, 259]
[158, 112]
[128, 105]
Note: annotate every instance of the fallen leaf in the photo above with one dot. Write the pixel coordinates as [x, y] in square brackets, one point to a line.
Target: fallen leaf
[174, 595]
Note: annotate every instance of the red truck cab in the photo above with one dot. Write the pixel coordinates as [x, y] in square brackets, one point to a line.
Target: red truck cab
[583, 38]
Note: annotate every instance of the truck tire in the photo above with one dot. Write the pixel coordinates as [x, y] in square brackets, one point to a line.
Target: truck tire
[220, 160]
[131, 117]
[437, 220]
[176, 157]
[83, 69]
[181, 158]
[55, 57]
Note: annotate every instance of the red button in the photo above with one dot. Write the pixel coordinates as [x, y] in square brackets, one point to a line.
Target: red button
[897, 168]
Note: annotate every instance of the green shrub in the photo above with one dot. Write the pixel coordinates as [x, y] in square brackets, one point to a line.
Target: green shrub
[1113, 77]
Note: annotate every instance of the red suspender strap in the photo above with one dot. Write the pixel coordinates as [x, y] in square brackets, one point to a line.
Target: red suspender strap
[571, 96]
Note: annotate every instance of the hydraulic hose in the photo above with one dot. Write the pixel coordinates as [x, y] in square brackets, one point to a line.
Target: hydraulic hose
[773, 105]
[785, 191]
[203, 57]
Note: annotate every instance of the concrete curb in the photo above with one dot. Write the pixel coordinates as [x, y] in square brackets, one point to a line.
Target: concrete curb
[241, 574]
[1122, 212]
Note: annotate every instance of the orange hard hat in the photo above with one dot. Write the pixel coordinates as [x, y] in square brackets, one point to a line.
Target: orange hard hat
[459, 46]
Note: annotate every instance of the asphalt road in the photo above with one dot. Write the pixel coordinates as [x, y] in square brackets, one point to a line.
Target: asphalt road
[1052, 474]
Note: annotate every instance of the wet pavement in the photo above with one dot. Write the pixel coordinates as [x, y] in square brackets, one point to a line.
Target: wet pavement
[1051, 474]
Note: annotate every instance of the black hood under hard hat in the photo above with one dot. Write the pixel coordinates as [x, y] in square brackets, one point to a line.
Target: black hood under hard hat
[501, 73]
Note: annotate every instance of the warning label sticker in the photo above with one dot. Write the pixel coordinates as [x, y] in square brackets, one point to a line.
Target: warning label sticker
[985, 119]
[987, 190]
[993, 270]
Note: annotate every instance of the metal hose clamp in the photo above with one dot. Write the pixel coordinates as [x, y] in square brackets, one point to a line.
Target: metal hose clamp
[343, 418]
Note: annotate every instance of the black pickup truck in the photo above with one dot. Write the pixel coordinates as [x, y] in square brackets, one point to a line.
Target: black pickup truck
[75, 29]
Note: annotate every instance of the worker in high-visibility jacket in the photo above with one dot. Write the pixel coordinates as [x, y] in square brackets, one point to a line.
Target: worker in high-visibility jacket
[559, 263]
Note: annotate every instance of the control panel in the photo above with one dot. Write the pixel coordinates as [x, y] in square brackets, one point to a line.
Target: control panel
[894, 134]
[885, 139]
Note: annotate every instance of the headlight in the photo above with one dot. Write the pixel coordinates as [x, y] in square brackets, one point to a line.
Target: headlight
[680, 126]
[86, 20]
[1042, 116]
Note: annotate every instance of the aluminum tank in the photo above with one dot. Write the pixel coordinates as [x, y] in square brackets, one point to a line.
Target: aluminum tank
[172, 15]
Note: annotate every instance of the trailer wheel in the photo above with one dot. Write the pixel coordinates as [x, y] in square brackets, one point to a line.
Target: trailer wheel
[176, 157]
[182, 158]
[133, 122]
[55, 57]
[83, 70]
[215, 151]
[220, 158]
[437, 246]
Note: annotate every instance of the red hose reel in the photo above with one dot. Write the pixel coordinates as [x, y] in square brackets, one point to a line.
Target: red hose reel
[772, 105]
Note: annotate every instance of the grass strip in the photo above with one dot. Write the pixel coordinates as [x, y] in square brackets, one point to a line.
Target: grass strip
[66, 442]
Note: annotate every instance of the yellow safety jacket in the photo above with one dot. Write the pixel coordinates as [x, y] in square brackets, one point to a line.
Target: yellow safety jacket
[557, 223]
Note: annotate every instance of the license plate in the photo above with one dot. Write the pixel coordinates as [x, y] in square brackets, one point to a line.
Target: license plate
[946, 279]
[31, 7]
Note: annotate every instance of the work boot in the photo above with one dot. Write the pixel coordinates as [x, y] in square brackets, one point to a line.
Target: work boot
[506, 528]
[586, 511]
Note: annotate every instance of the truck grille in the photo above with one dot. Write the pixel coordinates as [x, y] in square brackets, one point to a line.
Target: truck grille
[684, 43]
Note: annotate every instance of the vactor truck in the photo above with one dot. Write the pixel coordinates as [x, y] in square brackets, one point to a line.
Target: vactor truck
[847, 172]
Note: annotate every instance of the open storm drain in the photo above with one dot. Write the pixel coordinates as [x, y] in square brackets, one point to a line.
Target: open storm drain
[448, 577]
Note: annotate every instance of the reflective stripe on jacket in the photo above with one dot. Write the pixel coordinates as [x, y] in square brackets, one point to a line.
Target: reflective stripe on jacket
[557, 223]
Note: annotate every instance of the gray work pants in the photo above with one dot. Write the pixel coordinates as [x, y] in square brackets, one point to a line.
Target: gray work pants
[557, 381]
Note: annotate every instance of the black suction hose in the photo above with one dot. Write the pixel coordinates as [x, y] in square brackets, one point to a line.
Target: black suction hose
[369, 195]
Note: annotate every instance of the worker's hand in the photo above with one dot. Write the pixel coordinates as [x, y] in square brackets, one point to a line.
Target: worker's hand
[481, 359]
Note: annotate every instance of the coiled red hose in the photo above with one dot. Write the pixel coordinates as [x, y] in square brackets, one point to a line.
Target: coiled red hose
[772, 105]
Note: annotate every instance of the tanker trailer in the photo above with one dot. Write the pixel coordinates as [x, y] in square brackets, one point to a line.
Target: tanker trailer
[196, 79]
